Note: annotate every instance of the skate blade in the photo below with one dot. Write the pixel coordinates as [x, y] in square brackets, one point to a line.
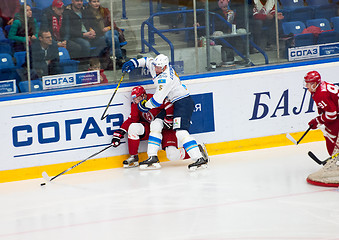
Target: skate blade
[194, 168]
[153, 166]
[131, 165]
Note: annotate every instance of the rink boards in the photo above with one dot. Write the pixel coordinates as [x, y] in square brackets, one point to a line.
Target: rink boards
[234, 111]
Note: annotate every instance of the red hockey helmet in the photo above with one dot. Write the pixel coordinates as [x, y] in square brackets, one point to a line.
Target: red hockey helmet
[312, 77]
[137, 91]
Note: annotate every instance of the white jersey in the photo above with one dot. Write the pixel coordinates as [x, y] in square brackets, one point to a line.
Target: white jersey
[168, 84]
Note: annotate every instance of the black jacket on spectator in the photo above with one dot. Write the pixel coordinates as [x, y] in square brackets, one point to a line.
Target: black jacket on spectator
[40, 59]
[47, 23]
[73, 23]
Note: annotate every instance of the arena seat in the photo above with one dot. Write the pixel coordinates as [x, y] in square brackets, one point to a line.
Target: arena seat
[291, 3]
[66, 63]
[297, 28]
[36, 85]
[322, 23]
[42, 4]
[20, 58]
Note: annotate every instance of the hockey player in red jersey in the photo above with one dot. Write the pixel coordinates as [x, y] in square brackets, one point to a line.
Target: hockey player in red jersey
[326, 97]
[137, 125]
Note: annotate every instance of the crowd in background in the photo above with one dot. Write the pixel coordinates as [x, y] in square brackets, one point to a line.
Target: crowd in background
[84, 31]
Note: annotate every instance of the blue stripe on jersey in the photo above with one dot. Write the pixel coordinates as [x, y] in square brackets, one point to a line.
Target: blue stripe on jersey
[154, 141]
[154, 103]
[161, 81]
[190, 145]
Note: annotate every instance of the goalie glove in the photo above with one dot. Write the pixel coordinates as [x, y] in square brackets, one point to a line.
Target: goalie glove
[168, 122]
[117, 136]
[130, 65]
[142, 107]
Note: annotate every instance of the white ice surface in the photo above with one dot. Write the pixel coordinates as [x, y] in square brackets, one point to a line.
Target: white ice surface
[259, 194]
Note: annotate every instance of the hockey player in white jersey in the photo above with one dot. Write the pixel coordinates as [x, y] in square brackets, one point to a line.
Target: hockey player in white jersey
[168, 85]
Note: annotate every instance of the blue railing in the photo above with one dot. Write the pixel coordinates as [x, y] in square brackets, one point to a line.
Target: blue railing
[153, 30]
[123, 9]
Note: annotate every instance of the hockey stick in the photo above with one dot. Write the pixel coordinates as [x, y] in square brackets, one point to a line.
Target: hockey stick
[49, 179]
[297, 142]
[103, 116]
[317, 160]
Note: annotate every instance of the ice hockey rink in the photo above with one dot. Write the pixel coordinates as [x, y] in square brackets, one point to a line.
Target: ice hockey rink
[260, 194]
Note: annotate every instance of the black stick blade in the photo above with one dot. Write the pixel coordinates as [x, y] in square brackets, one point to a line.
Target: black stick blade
[315, 158]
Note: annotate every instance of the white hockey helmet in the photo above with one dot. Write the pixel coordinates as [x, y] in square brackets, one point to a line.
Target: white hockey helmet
[161, 61]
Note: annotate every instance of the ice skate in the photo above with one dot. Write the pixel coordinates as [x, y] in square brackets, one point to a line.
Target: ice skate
[203, 151]
[201, 163]
[151, 163]
[131, 162]
[328, 176]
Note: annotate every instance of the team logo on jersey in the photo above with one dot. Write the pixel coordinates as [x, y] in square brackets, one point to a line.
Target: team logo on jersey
[148, 116]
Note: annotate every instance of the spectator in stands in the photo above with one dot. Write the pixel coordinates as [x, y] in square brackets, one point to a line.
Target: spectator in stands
[263, 25]
[99, 18]
[200, 4]
[224, 10]
[17, 31]
[78, 30]
[53, 21]
[94, 64]
[169, 6]
[8, 8]
[45, 54]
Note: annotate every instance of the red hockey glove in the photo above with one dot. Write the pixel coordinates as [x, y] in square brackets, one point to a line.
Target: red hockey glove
[313, 123]
[117, 136]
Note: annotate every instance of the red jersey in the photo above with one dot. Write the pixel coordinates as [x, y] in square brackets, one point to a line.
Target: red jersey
[138, 116]
[326, 97]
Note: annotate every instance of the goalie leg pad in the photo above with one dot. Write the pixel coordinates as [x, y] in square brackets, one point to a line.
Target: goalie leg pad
[327, 176]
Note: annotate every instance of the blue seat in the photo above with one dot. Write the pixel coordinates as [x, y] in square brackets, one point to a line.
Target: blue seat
[36, 85]
[325, 11]
[322, 23]
[42, 4]
[6, 61]
[67, 65]
[7, 67]
[3, 38]
[297, 28]
[6, 48]
[20, 58]
[291, 3]
[327, 37]
[316, 2]
[28, 2]
[300, 14]
[305, 39]
[335, 23]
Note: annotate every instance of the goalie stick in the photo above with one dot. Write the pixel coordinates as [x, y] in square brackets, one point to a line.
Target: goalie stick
[297, 142]
[49, 179]
[317, 160]
[104, 115]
